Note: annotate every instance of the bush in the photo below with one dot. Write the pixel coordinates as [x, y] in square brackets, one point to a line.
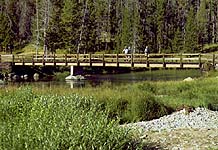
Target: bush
[146, 108]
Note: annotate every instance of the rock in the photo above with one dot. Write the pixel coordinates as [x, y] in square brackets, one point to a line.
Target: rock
[36, 76]
[188, 79]
[24, 77]
[15, 77]
[78, 77]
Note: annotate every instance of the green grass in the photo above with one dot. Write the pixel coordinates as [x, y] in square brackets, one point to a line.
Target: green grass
[89, 118]
[209, 48]
[149, 100]
[43, 121]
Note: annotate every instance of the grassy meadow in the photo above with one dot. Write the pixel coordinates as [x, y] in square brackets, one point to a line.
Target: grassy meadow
[89, 118]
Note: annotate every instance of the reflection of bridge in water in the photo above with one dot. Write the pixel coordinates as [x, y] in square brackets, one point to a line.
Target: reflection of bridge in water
[114, 60]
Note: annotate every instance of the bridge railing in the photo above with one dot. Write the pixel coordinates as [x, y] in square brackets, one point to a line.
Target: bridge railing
[161, 60]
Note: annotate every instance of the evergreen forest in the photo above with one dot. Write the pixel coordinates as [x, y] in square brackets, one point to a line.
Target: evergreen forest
[90, 26]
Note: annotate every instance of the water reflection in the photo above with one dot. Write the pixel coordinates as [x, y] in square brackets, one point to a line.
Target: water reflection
[75, 83]
[116, 79]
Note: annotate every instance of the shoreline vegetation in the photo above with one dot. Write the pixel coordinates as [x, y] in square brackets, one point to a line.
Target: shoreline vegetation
[89, 118]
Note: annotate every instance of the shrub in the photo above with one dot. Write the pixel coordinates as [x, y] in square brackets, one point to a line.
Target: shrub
[146, 108]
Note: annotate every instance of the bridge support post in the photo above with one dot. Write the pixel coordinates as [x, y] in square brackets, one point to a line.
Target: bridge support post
[71, 70]
[164, 63]
[90, 59]
[132, 60]
[147, 60]
[103, 60]
[54, 59]
[65, 59]
[77, 59]
[213, 59]
[117, 59]
[181, 63]
[200, 64]
[43, 60]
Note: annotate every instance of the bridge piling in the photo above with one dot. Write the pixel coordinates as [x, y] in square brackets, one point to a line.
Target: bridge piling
[71, 70]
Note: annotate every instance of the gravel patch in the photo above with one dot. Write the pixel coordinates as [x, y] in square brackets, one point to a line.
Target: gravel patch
[200, 118]
[197, 130]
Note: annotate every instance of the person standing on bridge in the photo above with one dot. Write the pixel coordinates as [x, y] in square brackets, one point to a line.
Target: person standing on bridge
[125, 50]
[146, 50]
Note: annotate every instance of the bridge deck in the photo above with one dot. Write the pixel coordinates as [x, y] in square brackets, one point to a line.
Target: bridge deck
[115, 60]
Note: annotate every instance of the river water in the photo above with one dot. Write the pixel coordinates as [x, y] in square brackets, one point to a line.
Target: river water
[117, 79]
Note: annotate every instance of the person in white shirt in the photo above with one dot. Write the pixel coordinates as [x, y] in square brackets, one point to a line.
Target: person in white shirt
[146, 50]
[125, 50]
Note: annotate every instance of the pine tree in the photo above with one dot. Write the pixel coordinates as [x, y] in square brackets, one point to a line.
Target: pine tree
[54, 32]
[190, 32]
[26, 11]
[160, 24]
[135, 26]
[71, 21]
[9, 33]
[126, 36]
[177, 42]
[202, 22]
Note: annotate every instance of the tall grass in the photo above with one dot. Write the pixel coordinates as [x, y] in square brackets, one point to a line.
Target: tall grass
[149, 100]
[200, 92]
[48, 121]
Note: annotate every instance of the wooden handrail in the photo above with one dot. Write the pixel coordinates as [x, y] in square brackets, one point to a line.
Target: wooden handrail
[119, 60]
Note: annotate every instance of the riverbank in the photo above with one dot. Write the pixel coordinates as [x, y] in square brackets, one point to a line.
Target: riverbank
[34, 115]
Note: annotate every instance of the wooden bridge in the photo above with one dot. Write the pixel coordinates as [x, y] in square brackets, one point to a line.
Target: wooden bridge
[114, 60]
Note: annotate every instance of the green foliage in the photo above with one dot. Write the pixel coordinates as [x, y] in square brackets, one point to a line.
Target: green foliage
[71, 22]
[129, 103]
[160, 24]
[90, 26]
[60, 76]
[195, 93]
[209, 48]
[202, 22]
[145, 108]
[126, 26]
[190, 32]
[177, 43]
[43, 121]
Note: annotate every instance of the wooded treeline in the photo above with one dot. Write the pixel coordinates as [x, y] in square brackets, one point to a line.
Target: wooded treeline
[88, 26]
